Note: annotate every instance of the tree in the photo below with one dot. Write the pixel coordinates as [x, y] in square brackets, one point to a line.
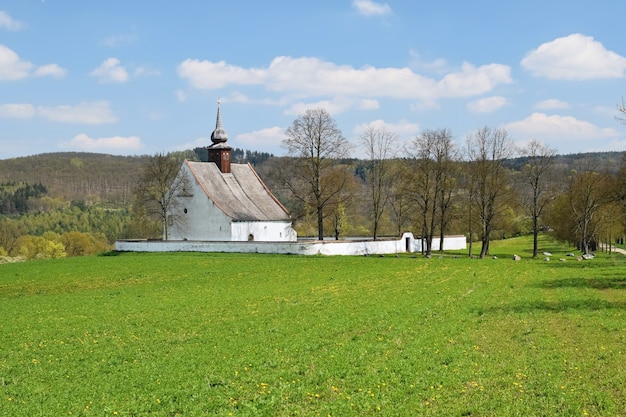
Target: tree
[159, 187]
[487, 150]
[586, 194]
[536, 175]
[315, 142]
[343, 201]
[380, 148]
[433, 157]
[399, 196]
[622, 109]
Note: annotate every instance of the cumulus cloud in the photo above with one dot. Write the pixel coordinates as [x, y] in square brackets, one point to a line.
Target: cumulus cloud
[311, 77]
[558, 128]
[84, 113]
[118, 144]
[616, 145]
[402, 128]
[371, 8]
[8, 23]
[368, 104]
[50, 70]
[574, 57]
[335, 106]
[552, 104]
[264, 138]
[488, 104]
[110, 71]
[17, 111]
[11, 66]
[438, 66]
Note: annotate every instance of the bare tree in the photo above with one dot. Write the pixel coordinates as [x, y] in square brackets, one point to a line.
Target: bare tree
[316, 142]
[433, 158]
[380, 148]
[158, 188]
[487, 150]
[536, 174]
[622, 109]
[399, 195]
[586, 194]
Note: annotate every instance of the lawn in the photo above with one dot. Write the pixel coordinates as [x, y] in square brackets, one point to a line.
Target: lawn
[191, 334]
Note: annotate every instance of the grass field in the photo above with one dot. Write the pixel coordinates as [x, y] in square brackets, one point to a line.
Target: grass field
[190, 334]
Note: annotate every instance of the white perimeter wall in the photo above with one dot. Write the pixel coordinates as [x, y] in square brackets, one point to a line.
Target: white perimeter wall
[263, 231]
[407, 243]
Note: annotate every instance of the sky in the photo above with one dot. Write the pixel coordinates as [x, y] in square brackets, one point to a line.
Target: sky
[140, 77]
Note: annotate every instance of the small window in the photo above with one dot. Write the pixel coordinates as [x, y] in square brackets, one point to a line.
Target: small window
[185, 210]
[250, 237]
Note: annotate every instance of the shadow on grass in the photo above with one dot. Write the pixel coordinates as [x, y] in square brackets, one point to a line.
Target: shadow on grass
[554, 306]
[611, 282]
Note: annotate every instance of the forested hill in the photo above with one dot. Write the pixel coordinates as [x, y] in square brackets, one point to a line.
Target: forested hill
[78, 176]
[111, 179]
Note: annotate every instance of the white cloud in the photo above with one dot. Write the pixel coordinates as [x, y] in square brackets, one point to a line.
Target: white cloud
[574, 57]
[110, 144]
[552, 104]
[17, 111]
[196, 143]
[146, 72]
[438, 66]
[402, 128]
[85, 113]
[111, 71]
[371, 8]
[114, 41]
[488, 104]
[618, 145]
[555, 127]
[261, 139]
[11, 66]
[368, 104]
[51, 70]
[8, 23]
[335, 106]
[311, 77]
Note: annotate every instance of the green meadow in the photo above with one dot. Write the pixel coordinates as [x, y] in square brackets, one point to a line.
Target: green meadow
[192, 334]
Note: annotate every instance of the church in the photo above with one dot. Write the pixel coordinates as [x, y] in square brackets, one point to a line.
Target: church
[223, 201]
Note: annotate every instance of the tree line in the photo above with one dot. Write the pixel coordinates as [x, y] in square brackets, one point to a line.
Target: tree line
[482, 187]
[436, 187]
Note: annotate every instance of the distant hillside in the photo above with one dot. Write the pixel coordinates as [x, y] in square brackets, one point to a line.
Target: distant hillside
[78, 176]
[600, 161]
[111, 179]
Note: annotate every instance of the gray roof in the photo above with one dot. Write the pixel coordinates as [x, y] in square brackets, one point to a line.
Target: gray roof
[241, 194]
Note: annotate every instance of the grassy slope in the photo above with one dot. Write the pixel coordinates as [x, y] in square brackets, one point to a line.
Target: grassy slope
[222, 334]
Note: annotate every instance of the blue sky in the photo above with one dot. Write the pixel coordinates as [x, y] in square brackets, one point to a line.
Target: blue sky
[140, 77]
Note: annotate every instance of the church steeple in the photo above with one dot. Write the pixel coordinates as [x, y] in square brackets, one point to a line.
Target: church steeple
[219, 152]
[219, 134]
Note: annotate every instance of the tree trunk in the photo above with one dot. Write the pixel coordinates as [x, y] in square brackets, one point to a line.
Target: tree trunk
[320, 224]
[535, 237]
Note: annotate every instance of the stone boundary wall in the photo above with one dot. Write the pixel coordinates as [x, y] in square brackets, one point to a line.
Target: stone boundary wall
[407, 243]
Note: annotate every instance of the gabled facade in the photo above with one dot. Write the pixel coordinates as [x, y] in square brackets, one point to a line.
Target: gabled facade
[222, 201]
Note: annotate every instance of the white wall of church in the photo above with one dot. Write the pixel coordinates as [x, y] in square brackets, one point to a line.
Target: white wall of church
[263, 232]
[195, 217]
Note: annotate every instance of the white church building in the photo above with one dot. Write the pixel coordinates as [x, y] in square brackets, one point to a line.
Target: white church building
[218, 206]
[222, 201]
